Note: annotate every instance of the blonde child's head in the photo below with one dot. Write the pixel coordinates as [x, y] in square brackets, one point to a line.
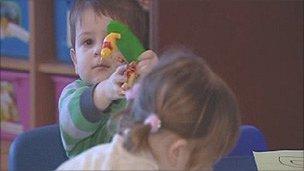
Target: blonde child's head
[198, 114]
[88, 27]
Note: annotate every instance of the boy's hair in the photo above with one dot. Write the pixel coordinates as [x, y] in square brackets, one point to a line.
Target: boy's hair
[128, 12]
[191, 101]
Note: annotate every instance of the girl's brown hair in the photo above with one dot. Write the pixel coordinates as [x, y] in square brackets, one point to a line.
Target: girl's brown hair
[126, 11]
[191, 101]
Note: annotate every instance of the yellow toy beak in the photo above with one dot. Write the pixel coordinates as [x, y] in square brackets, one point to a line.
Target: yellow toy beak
[109, 44]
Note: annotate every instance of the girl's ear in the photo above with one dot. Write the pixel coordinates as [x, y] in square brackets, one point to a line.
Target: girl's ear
[74, 59]
[178, 153]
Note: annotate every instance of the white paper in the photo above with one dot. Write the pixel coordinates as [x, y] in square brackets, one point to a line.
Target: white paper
[280, 160]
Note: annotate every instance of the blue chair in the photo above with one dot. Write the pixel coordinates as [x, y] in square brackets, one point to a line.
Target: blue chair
[37, 149]
[251, 139]
[241, 157]
[42, 149]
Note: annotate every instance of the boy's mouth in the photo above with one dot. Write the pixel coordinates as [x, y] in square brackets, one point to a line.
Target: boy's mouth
[100, 66]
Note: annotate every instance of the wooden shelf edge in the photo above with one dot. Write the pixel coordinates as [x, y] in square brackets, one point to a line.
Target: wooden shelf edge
[14, 64]
[57, 68]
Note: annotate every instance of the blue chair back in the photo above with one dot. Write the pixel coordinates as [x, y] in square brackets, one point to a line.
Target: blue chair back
[42, 149]
[37, 149]
[250, 139]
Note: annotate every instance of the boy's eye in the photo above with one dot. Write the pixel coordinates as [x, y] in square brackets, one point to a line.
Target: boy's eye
[88, 42]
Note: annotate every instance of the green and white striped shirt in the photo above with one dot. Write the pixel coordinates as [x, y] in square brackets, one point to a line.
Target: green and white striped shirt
[82, 125]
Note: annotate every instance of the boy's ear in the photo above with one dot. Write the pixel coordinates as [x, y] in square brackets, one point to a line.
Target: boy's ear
[177, 152]
[74, 59]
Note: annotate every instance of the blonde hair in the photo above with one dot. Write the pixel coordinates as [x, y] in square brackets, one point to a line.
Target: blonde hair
[127, 11]
[191, 101]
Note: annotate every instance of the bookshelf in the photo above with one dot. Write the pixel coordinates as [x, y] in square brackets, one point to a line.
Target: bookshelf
[57, 68]
[41, 64]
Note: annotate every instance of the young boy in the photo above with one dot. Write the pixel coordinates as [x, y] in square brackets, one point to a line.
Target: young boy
[86, 104]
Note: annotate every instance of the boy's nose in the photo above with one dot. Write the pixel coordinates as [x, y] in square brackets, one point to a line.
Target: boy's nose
[97, 50]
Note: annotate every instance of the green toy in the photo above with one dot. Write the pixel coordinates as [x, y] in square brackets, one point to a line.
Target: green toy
[120, 36]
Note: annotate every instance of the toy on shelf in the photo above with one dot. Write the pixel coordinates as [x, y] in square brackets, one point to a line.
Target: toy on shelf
[121, 37]
[8, 110]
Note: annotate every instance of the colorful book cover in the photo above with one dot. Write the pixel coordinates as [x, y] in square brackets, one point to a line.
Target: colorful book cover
[14, 28]
[10, 117]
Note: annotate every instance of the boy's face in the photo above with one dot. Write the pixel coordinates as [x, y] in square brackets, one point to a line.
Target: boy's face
[91, 29]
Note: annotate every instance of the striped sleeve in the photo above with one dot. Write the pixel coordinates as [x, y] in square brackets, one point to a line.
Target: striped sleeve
[82, 125]
[74, 126]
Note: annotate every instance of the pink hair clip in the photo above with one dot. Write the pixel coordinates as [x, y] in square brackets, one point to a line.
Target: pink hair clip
[154, 122]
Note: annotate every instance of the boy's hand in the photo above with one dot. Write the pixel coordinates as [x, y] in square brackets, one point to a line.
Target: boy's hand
[113, 84]
[110, 89]
[147, 60]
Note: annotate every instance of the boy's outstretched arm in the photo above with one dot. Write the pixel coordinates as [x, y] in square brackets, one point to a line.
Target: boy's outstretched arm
[82, 125]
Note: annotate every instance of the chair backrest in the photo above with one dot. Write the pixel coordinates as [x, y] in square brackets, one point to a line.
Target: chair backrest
[250, 139]
[42, 149]
[37, 149]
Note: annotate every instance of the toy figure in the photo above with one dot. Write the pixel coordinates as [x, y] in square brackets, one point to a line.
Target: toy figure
[109, 44]
[121, 37]
[8, 112]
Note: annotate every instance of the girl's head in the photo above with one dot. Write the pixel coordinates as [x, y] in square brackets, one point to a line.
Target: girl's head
[197, 110]
[88, 28]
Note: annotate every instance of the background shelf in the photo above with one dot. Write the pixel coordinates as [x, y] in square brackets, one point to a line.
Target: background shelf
[57, 68]
[14, 64]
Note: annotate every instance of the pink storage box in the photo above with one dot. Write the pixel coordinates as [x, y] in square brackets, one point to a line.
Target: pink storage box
[15, 103]
[59, 83]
